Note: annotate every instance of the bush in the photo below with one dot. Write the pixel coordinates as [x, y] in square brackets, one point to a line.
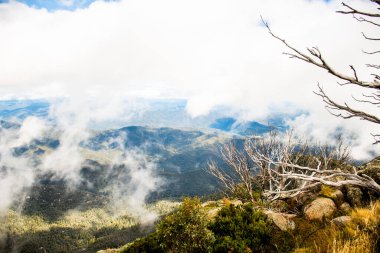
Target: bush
[241, 229]
[144, 245]
[235, 229]
[183, 231]
[186, 230]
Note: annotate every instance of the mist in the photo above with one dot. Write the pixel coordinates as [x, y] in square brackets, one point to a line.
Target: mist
[69, 122]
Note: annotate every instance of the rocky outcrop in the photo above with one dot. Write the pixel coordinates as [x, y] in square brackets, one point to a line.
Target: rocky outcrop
[341, 221]
[320, 209]
[281, 220]
[371, 169]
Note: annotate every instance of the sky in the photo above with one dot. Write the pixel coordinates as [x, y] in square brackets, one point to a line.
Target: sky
[54, 5]
[209, 52]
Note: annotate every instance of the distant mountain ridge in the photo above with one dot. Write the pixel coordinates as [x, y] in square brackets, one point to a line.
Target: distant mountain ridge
[154, 113]
[21, 109]
[181, 157]
[180, 146]
[247, 128]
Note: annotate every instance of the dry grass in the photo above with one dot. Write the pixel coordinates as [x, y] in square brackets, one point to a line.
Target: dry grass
[94, 219]
[361, 244]
[359, 236]
[367, 218]
[91, 229]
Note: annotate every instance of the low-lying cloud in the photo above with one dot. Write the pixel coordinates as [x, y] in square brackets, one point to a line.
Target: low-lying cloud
[72, 128]
[211, 52]
[133, 185]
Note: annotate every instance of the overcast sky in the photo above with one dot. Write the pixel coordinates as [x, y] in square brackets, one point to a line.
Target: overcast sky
[210, 52]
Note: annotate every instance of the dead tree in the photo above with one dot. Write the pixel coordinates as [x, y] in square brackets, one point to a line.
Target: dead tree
[293, 167]
[241, 176]
[371, 95]
[289, 166]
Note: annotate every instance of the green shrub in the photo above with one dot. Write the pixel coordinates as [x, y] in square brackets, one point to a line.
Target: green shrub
[235, 229]
[144, 245]
[183, 231]
[241, 193]
[186, 230]
[242, 229]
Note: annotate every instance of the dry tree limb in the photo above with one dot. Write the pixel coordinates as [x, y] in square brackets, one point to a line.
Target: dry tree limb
[348, 112]
[242, 172]
[314, 57]
[290, 166]
[351, 10]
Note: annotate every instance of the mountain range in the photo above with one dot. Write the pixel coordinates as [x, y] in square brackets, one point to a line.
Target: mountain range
[180, 150]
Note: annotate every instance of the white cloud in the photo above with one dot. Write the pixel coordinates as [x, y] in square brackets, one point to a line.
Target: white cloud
[16, 173]
[31, 128]
[135, 184]
[69, 122]
[213, 52]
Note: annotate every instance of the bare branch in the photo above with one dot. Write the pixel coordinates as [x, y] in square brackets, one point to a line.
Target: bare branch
[290, 166]
[375, 66]
[349, 111]
[373, 52]
[355, 11]
[369, 38]
[361, 19]
[375, 99]
[317, 59]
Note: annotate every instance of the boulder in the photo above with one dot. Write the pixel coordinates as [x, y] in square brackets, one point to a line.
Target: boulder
[211, 214]
[320, 209]
[371, 169]
[280, 205]
[305, 197]
[211, 203]
[333, 193]
[338, 197]
[345, 207]
[236, 202]
[341, 221]
[354, 196]
[281, 220]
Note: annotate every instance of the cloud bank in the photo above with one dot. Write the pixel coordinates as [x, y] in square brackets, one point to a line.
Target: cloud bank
[71, 127]
[211, 52]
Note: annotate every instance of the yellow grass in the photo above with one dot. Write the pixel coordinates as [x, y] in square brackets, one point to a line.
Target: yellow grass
[359, 236]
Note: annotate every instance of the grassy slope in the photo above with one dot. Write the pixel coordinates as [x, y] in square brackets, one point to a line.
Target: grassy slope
[76, 231]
